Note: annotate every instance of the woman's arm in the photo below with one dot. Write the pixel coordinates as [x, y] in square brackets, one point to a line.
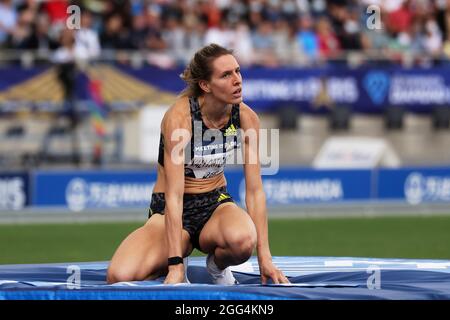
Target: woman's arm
[175, 130]
[255, 197]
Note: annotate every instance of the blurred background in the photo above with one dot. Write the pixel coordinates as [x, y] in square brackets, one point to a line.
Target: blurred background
[355, 95]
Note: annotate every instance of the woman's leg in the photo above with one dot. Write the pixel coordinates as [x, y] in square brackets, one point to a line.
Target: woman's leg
[143, 254]
[229, 234]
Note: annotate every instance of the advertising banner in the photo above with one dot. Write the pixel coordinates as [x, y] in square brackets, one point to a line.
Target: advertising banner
[414, 185]
[97, 189]
[312, 90]
[292, 186]
[13, 191]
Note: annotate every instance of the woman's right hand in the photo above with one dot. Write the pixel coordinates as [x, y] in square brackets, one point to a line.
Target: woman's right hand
[175, 275]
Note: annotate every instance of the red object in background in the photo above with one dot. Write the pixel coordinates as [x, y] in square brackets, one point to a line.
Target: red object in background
[212, 14]
[56, 10]
[95, 89]
[400, 20]
[97, 153]
[329, 45]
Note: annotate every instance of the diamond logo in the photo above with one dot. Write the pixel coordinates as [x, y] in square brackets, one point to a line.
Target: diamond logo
[376, 84]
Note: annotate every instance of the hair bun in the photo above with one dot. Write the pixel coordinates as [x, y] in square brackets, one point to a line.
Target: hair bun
[185, 75]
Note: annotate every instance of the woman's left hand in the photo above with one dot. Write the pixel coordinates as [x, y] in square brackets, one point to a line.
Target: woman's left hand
[269, 271]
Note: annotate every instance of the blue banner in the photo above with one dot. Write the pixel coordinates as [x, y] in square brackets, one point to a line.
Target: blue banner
[13, 191]
[292, 186]
[311, 90]
[112, 189]
[414, 185]
[315, 90]
[79, 190]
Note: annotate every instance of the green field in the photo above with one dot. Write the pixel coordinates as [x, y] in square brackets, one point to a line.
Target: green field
[383, 237]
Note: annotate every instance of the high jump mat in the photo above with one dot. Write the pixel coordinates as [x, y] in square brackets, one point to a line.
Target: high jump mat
[312, 278]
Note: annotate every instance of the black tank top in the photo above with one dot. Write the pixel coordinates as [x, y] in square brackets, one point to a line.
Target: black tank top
[209, 149]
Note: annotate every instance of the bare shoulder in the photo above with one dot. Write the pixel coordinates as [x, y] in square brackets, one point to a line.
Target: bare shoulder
[249, 118]
[177, 116]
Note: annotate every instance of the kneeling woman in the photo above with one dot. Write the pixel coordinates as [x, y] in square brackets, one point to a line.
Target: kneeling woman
[190, 206]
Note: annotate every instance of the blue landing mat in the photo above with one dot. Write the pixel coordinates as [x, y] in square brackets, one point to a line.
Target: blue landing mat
[311, 278]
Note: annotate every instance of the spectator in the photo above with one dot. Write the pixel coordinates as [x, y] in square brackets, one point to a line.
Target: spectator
[243, 45]
[235, 12]
[174, 36]
[115, 35]
[411, 41]
[284, 42]
[329, 46]
[154, 40]
[307, 39]
[433, 38]
[376, 41]
[121, 8]
[263, 42]
[211, 13]
[443, 17]
[8, 19]
[86, 39]
[400, 20]
[56, 10]
[221, 35]
[19, 36]
[263, 32]
[318, 7]
[289, 11]
[194, 38]
[40, 39]
[139, 31]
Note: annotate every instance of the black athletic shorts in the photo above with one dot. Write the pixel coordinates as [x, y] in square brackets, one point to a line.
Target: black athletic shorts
[197, 209]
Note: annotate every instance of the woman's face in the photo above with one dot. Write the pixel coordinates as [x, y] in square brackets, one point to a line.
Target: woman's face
[226, 80]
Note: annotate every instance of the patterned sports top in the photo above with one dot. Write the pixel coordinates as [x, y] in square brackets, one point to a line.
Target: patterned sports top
[209, 149]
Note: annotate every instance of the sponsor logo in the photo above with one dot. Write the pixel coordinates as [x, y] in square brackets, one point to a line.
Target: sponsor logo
[340, 89]
[77, 194]
[418, 89]
[12, 193]
[223, 197]
[81, 194]
[376, 84]
[419, 188]
[230, 131]
[284, 191]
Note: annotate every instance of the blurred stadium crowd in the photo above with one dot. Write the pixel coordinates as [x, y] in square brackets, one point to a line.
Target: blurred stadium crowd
[261, 32]
[40, 110]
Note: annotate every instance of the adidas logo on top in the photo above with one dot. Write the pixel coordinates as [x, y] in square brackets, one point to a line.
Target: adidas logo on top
[230, 131]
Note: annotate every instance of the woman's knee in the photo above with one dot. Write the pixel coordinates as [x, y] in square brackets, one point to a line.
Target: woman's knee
[114, 275]
[242, 245]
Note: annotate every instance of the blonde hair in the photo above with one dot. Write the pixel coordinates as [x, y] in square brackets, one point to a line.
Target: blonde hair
[200, 68]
